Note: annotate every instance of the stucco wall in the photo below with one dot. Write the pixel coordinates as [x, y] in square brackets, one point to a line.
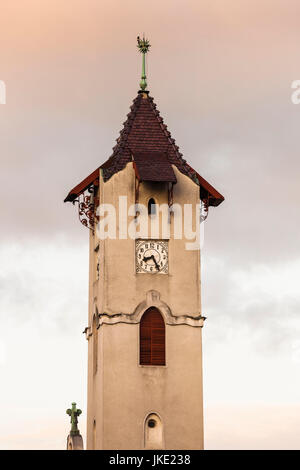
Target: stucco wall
[122, 393]
[181, 288]
[132, 391]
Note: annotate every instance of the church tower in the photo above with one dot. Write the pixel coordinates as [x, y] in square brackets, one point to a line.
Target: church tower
[145, 320]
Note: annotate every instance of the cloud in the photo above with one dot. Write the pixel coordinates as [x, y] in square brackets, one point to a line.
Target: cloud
[252, 427]
[43, 353]
[38, 281]
[232, 117]
[260, 300]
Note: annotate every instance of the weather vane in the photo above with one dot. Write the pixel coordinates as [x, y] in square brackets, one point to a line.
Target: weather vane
[143, 46]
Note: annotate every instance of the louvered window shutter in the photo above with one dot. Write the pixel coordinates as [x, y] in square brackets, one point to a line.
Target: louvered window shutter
[152, 338]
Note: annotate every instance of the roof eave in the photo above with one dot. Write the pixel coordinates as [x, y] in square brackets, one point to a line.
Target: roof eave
[93, 178]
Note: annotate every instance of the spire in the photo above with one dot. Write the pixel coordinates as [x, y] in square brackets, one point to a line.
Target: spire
[143, 46]
[74, 413]
[144, 131]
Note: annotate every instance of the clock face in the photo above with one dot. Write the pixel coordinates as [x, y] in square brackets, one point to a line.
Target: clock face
[151, 256]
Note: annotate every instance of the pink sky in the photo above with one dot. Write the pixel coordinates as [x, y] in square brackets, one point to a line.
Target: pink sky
[220, 73]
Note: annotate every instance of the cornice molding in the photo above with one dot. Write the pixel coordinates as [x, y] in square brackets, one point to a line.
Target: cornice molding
[152, 300]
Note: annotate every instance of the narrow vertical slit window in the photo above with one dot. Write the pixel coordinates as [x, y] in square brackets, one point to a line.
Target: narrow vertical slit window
[95, 345]
[151, 207]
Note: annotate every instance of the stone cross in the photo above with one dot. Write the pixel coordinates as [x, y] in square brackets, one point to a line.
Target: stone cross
[74, 413]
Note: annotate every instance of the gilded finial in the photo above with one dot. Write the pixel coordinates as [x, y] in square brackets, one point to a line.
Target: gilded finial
[143, 46]
[74, 413]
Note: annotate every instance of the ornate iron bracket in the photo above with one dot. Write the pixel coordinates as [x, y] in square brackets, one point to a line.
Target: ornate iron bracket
[87, 207]
[204, 209]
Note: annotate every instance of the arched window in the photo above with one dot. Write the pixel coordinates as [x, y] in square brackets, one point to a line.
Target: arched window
[152, 338]
[153, 432]
[151, 206]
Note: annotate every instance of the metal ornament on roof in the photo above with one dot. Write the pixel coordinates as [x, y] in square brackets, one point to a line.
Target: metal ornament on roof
[204, 209]
[143, 46]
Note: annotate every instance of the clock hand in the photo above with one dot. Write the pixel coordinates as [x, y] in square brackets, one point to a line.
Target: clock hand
[146, 258]
[155, 262]
[157, 266]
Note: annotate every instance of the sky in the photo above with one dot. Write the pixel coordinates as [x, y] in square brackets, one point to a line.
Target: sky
[221, 74]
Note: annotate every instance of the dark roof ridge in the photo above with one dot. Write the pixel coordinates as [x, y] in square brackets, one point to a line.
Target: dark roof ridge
[168, 134]
[124, 133]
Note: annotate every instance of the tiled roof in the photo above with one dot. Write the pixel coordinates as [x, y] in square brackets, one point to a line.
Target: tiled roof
[81, 187]
[144, 132]
[153, 166]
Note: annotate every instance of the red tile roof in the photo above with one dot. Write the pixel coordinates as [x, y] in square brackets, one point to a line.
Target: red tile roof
[93, 178]
[153, 166]
[144, 132]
